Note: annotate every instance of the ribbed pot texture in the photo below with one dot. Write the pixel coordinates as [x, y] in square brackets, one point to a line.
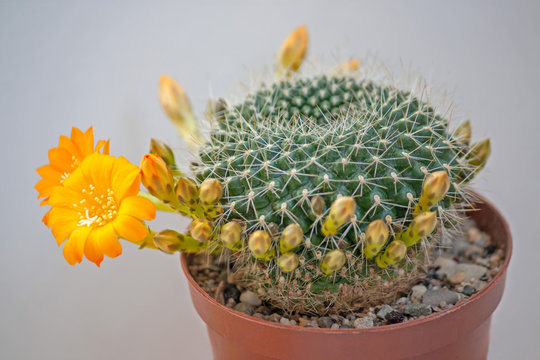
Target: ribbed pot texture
[458, 333]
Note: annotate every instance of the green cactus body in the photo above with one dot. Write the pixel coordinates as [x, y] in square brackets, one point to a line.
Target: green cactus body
[328, 136]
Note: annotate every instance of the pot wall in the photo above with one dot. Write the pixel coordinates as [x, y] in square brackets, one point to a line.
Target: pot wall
[460, 332]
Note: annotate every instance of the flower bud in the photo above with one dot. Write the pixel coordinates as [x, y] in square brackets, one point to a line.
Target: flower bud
[317, 205]
[170, 241]
[162, 150]
[216, 109]
[291, 237]
[186, 191]
[231, 235]
[176, 105]
[210, 191]
[341, 211]
[479, 154]
[394, 253]
[463, 133]
[200, 230]
[376, 236]
[288, 262]
[156, 177]
[422, 225]
[332, 261]
[292, 51]
[260, 244]
[350, 66]
[167, 241]
[434, 189]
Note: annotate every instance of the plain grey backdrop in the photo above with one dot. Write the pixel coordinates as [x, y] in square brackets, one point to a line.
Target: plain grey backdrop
[97, 63]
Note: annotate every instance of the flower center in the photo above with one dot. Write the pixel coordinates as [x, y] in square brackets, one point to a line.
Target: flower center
[97, 209]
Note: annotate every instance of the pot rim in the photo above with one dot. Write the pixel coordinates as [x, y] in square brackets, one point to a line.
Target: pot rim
[391, 327]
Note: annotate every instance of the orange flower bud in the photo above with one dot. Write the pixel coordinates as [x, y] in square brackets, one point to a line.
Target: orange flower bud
[162, 150]
[156, 177]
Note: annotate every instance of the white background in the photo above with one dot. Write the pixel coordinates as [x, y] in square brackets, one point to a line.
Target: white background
[97, 63]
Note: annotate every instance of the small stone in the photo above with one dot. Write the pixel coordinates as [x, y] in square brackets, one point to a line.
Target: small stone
[231, 303]
[436, 297]
[468, 290]
[334, 326]
[249, 297]
[263, 310]
[473, 251]
[394, 317]
[417, 293]
[346, 322]
[472, 271]
[274, 317]
[350, 316]
[457, 278]
[325, 322]
[363, 322]
[231, 292]
[490, 249]
[416, 310]
[244, 307]
[285, 321]
[345, 326]
[444, 262]
[258, 316]
[402, 301]
[303, 322]
[385, 310]
[293, 322]
[474, 235]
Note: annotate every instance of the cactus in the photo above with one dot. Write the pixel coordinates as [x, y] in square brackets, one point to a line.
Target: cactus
[325, 190]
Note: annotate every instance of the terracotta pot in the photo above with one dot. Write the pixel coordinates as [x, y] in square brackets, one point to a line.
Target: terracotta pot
[460, 332]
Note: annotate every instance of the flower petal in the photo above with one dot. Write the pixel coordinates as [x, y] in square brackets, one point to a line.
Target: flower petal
[60, 160]
[97, 169]
[64, 197]
[139, 207]
[103, 144]
[130, 228]
[62, 230]
[92, 250]
[74, 247]
[125, 178]
[68, 145]
[85, 142]
[107, 240]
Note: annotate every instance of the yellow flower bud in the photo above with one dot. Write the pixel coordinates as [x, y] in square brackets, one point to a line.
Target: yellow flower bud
[167, 241]
[210, 191]
[317, 205]
[156, 177]
[332, 261]
[260, 244]
[162, 150]
[231, 235]
[434, 189]
[291, 237]
[200, 230]
[394, 253]
[186, 191]
[176, 105]
[376, 236]
[422, 225]
[170, 241]
[341, 211]
[463, 133]
[292, 52]
[288, 262]
[479, 154]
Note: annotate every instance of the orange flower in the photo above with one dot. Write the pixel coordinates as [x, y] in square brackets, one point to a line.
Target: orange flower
[65, 158]
[97, 205]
